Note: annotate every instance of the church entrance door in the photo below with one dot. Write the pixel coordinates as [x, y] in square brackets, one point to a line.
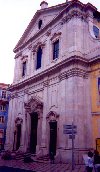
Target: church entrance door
[18, 136]
[33, 136]
[53, 137]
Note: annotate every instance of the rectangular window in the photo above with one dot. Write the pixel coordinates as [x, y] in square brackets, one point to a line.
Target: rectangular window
[2, 107]
[1, 133]
[3, 94]
[99, 89]
[39, 58]
[55, 49]
[24, 68]
[2, 119]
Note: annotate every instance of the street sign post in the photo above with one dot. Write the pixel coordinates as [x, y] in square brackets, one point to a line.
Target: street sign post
[71, 130]
[70, 136]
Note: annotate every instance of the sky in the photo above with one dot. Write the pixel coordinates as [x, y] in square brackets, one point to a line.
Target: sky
[15, 15]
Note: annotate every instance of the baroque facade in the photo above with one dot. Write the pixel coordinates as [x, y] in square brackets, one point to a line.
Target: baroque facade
[52, 80]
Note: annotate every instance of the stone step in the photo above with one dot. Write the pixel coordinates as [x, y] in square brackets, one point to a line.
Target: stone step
[21, 156]
[43, 158]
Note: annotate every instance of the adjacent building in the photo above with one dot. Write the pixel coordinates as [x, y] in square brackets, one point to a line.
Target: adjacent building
[4, 104]
[95, 104]
[55, 62]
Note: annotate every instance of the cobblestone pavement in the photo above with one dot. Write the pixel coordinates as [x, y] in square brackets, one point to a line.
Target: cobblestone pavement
[41, 167]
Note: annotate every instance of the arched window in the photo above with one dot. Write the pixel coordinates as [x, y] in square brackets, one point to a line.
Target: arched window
[39, 24]
[96, 31]
[39, 58]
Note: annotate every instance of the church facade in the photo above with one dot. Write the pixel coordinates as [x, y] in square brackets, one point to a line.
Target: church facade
[52, 80]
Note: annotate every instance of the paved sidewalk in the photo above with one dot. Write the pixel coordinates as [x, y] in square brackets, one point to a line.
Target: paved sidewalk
[41, 167]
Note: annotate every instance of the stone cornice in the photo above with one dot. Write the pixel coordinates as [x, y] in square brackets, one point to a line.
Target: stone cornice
[74, 71]
[94, 60]
[18, 54]
[46, 83]
[54, 69]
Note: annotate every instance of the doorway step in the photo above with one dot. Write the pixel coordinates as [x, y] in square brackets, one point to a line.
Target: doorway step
[21, 155]
[44, 158]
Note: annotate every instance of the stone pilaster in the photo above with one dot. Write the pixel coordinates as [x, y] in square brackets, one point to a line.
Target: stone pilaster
[62, 109]
[45, 105]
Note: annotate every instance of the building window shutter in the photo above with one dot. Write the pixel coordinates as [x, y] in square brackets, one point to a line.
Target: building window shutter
[39, 58]
[55, 49]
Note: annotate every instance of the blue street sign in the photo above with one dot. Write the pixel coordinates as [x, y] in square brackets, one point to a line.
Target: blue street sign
[69, 126]
[69, 131]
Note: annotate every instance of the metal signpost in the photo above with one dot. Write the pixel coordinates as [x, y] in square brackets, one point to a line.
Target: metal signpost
[71, 130]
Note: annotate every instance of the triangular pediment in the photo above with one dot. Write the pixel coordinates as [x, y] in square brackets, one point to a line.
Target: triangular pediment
[46, 15]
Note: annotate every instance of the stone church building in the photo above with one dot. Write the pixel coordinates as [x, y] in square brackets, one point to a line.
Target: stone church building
[51, 86]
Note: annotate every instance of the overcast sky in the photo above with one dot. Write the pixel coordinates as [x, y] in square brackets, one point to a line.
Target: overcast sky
[14, 18]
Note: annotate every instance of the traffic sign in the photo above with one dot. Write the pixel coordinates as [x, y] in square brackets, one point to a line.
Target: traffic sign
[69, 126]
[69, 131]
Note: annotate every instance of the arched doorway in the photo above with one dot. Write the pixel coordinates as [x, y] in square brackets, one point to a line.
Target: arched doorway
[33, 121]
[33, 134]
[52, 118]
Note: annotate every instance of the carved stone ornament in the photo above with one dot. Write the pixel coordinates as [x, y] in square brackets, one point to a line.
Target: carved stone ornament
[24, 58]
[52, 116]
[35, 47]
[74, 13]
[30, 46]
[46, 83]
[48, 32]
[63, 76]
[34, 105]
[18, 121]
[14, 95]
[26, 91]
[56, 36]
